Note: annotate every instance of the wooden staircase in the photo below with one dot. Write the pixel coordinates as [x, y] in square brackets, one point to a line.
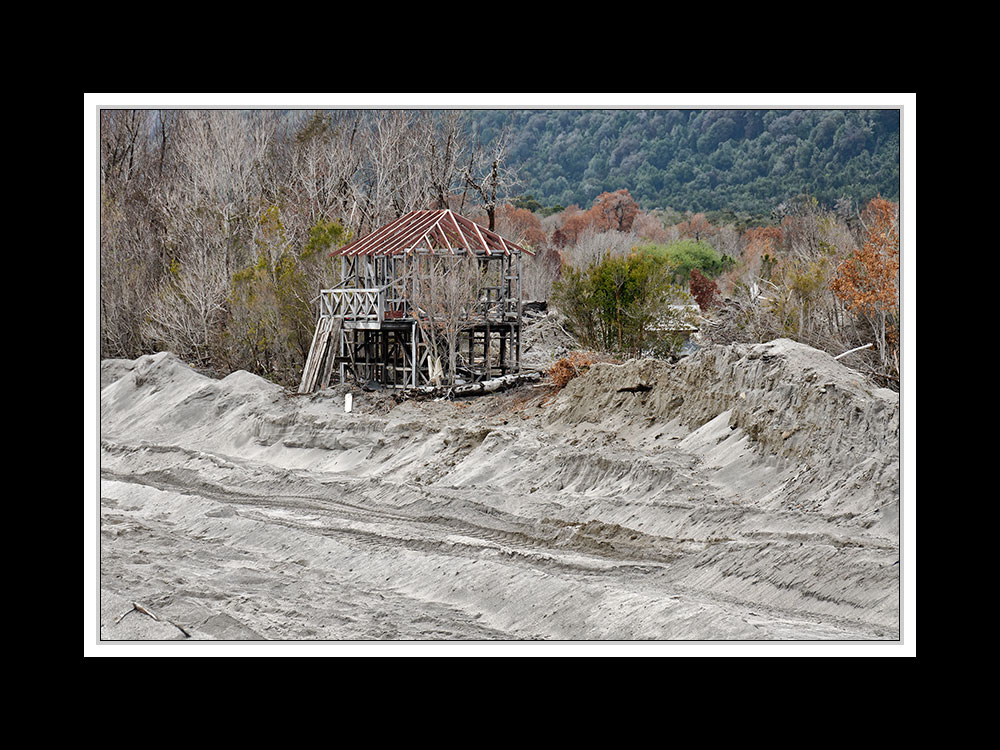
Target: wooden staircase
[322, 354]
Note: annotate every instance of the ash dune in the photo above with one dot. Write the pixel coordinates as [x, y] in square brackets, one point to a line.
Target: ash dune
[744, 493]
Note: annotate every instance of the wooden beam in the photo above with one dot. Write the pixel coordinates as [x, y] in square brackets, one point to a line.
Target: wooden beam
[357, 247]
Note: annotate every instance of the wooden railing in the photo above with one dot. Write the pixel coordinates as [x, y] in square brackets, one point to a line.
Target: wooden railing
[370, 304]
[353, 304]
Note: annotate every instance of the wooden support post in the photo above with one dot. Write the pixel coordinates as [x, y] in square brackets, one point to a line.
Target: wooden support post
[516, 332]
[503, 347]
[486, 353]
[343, 335]
[472, 356]
[414, 364]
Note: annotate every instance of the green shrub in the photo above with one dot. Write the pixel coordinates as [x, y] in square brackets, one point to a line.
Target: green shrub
[684, 255]
[271, 312]
[623, 305]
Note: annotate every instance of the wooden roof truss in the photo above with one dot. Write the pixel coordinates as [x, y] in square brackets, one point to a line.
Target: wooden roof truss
[436, 231]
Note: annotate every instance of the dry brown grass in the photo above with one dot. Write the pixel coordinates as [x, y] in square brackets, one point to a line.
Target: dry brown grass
[577, 363]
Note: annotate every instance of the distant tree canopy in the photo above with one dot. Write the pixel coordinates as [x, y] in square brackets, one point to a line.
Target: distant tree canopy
[611, 212]
[747, 161]
[683, 256]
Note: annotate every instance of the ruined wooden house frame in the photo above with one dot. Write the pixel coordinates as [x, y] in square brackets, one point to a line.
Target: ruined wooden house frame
[371, 325]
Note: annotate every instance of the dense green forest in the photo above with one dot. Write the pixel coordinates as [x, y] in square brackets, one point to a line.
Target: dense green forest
[741, 161]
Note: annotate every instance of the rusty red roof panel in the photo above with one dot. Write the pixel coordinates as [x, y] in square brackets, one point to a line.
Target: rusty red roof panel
[435, 229]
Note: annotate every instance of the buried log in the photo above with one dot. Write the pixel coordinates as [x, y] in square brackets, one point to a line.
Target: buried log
[496, 384]
[637, 388]
[484, 386]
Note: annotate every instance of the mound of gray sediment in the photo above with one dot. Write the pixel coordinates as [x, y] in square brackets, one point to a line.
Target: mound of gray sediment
[544, 339]
[776, 405]
[742, 493]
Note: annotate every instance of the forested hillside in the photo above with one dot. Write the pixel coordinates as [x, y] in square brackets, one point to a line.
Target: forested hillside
[744, 161]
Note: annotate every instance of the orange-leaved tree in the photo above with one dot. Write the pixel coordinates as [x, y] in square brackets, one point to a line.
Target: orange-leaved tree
[611, 212]
[520, 225]
[614, 212]
[867, 281]
[696, 227]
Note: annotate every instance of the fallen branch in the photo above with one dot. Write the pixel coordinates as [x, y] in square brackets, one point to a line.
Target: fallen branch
[139, 608]
[856, 349]
[136, 607]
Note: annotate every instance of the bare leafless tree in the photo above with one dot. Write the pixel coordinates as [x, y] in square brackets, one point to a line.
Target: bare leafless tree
[591, 246]
[489, 175]
[444, 150]
[444, 296]
[130, 261]
[185, 316]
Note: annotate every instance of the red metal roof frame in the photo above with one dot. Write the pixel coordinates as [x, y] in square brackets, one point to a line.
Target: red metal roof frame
[436, 229]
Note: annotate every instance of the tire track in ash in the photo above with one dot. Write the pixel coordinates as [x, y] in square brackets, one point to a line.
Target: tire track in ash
[445, 521]
[536, 542]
